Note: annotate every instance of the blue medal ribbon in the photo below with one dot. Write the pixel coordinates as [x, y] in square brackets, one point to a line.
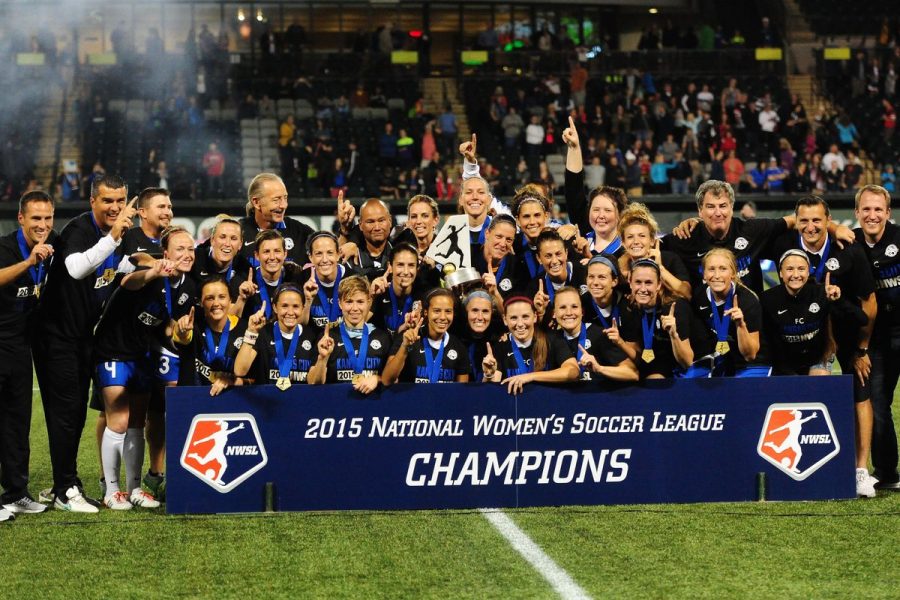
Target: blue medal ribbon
[611, 248]
[648, 326]
[582, 338]
[167, 288]
[530, 261]
[395, 319]
[37, 273]
[484, 228]
[331, 308]
[229, 272]
[433, 363]
[721, 323]
[551, 291]
[520, 362]
[357, 359]
[500, 268]
[264, 290]
[476, 372]
[215, 353]
[283, 360]
[819, 271]
[613, 314]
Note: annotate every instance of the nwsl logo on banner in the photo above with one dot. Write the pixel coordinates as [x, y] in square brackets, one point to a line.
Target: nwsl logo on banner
[798, 438]
[223, 450]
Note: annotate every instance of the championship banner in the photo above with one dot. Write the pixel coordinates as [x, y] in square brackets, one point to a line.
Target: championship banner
[473, 445]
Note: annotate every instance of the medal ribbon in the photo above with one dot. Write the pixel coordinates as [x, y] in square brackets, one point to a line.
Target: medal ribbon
[37, 273]
[613, 314]
[215, 353]
[432, 363]
[331, 308]
[357, 359]
[819, 271]
[395, 319]
[285, 360]
[721, 323]
[648, 326]
[520, 362]
[264, 290]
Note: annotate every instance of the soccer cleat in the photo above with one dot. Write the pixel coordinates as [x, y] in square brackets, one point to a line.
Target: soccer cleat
[75, 501]
[142, 499]
[46, 496]
[118, 501]
[864, 487]
[26, 505]
[5, 515]
[156, 484]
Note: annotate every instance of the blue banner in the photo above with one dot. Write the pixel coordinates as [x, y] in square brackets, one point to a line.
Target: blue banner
[440, 446]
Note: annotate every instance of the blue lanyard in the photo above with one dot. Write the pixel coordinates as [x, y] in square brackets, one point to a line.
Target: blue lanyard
[357, 359]
[721, 324]
[167, 288]
[285, 360]
[611, 248]
[395, 319]
[581, 341]
[500, 269]
[110, 261]
[475, 370]
[37, 273]
[819, 272]
[215, 354]
[264, 290]
[484, 228]
[230, 272]
[551, 291]
[432, 363]
[648, 326]
[613, 314]
[520, 362]
[331, 308]
[530, 262]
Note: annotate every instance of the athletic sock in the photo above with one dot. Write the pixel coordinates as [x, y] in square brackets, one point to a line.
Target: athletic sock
[134, 457]
[111, 451]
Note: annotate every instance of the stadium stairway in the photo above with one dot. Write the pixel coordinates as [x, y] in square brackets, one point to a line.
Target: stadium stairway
[437, 91]
[45, 158]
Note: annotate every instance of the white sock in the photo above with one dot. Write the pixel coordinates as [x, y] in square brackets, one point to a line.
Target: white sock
[133, 457]
[111, 451]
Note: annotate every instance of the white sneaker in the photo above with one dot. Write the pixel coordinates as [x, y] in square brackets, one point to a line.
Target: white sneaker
[75, 502]
[25, 505]
[5, 515]
[142, 499]
[46, 496]
[118, 501]
[865, 487]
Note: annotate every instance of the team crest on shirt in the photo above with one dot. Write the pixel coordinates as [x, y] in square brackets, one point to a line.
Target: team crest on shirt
[105, 279]
[289, 243]
[452, 355]
[891, 251]
[587, 344]
[306, 345]
[798, 438]
[505, 285]
[223, 450]
[239, 342]
[832, 264]
[375, 345]
[814, 308]
[583, 289]
[741, 243]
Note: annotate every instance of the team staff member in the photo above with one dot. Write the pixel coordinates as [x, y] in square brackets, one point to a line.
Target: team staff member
[495, 259]
[598, 357]
[597, 217]
[398, 290]
[126, 352]
[208, 345]
[80, 281]
[659, 330]
[733, 317]
[280, 353]
[220, 254]
[262, 281]
[155, 210]
[529, 354]
[267, 202]
[436, 357]
[718, 228]
[557, 272]
[375, 225]
[849, 270]
[355, 351]
[25, 255]
[637, 230]
[880, 240]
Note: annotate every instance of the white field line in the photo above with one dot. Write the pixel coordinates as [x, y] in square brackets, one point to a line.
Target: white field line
[558, 579]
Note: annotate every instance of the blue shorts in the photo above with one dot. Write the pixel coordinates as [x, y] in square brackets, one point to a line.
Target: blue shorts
[166, 366]
[130, 373]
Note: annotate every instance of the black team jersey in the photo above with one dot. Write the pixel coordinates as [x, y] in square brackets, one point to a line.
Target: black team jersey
[20, 298]
[290, 273]
[265, 369]
[205, 267]
[70, 307]
[596, 343]
[510, 279]
[508, 364]
[389, 309]
[208, 353]
[342, 367]
[324, 308]
[450, 356]
[732, 361]
[600, 317]
[637, 321]
[884, 263]
[135, 240]
[796, 327]
[293, 231]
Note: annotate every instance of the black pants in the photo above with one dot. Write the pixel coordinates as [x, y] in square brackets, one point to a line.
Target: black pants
[64, 375]
[15, 420]
[885, 373]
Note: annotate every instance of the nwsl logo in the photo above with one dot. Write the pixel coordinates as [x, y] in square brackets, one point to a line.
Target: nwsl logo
[223, 450]
[798, 438]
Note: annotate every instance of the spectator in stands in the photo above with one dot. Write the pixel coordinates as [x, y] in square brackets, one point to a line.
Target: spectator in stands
[659, 175]
[756, 178]
[795, 122]
[775, 177]
[389, 185]
[248, 108]
[852, 172]
[214, 167]
[534, 143]
[668, 148]
[405, 143]
[360, 97]
[633, 176]
[615, 172]
[786, 155]
[767, 36]
[847, 132]
[449, 131]
[834, 178]
[768, 125]
[429, 146]
[799, 181]
[339, 180]
[680, 174]
[67, 189]
[286, 134]
[888, 178]
[512, 125]
[888, 119]
[834, 155]
[734, 169]
[578, 84]
[545, 177]
[387, 145]
[890, 81]
[705, 98]
[266, 107]
[748, 210]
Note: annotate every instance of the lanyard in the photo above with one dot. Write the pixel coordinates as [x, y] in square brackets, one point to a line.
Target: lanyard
[520, 362]
[819, 271]
[530, 262]
[721, 324]
[167, 288]
[395, 319]
[264, 290]
[613, 314]
[611, 248]
[110, 261]
[500, 268]
[484, 228]
[475, 370]
[331, 308]
[551, 291]
[648, 326]
[215, 353]
[582, 339]
[432, 363]
[37, 273]
[357, 359]
[285, 361]
[229, 272]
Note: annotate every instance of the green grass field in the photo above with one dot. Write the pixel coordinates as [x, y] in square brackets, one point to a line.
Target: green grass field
[759, 550]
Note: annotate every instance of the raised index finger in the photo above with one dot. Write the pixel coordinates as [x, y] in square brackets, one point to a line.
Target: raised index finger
[250, 275]
[340, 197]
[490, 351]
[572, 123]
[133, 202]
[827, 278]
[672, 310]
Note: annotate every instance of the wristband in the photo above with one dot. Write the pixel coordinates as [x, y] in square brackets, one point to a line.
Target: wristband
[250, 337]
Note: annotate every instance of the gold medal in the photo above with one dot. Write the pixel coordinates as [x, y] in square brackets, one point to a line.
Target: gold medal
[722, 348]
[283, 383]
[356, 378]
[648, 355]
[37, 290]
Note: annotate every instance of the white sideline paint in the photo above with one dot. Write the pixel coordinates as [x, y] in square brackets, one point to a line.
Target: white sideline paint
[558, 579]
